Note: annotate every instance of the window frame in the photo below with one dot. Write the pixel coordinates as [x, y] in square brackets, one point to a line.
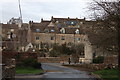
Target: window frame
[63, 38]
[37, 38]
[36, 30]
[52, 38]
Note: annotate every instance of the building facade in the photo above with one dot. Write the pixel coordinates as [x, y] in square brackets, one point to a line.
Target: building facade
[55, 31]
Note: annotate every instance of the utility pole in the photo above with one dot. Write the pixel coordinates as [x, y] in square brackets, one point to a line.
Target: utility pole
[20, 23]
[20, 11]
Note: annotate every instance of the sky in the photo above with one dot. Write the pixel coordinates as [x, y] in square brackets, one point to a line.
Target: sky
[36, 9]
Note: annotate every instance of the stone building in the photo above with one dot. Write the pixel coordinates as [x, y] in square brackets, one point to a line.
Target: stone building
[55, 31]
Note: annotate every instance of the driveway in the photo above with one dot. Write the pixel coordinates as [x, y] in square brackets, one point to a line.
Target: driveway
[55, 71]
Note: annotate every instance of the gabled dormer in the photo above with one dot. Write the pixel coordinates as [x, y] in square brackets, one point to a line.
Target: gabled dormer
[62, 30]
[77, 31]
[51, 24]
[46, 30]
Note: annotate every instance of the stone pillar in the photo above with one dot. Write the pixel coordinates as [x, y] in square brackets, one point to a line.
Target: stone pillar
[88, 53]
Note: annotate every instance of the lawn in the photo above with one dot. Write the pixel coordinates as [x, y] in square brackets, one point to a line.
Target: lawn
[108, 74]
[28, 70]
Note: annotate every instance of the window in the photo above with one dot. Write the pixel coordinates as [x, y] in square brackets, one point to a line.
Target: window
[72, 22]
[37, 30]
[37, 37]
[46, 30]
[78, 39]
[14, 35]
[77, 31]
[52, 37]
[63, 38]
[52, 30]
[81, 22]
[37, 45]
[78, 26]
[12, 30]
[9, 37]
[57, 21]
[70, 44]
[62, 30]
[8, 33]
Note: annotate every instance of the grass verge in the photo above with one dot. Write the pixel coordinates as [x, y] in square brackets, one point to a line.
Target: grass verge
[28, 70]
[108, 74]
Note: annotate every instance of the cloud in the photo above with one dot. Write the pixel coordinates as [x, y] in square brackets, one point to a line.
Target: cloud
[46, 0]
[37, 9]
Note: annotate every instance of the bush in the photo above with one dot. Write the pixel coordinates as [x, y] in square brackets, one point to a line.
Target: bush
[99, 59]
[30, 62]
[54, 53]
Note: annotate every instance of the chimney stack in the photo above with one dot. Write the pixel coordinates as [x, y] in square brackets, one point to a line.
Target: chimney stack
[68, 17]
[41, 19]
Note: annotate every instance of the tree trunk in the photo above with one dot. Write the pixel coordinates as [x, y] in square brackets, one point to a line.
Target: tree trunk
[118, 26]
[117, 19]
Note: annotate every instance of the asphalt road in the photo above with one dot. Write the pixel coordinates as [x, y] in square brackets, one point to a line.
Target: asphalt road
[55, 71]
[58, 71]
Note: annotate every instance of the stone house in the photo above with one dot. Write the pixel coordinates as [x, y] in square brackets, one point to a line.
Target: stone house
[57, 30]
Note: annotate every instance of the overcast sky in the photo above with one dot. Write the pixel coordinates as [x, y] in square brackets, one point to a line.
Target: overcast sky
[37, 9]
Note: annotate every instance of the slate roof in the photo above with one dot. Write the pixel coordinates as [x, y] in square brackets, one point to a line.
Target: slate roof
[62, 23]
[44, 23]
[9, 26]
[66, 19]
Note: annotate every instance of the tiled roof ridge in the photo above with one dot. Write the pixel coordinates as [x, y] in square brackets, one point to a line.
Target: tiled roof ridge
[46, 21]
[70, 18]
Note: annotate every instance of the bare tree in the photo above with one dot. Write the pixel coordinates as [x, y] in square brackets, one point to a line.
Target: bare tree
[110, 17]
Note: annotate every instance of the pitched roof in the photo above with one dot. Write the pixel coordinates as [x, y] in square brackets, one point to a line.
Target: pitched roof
[71, 30]
[44, 23]
[67, 19]
[9, 26]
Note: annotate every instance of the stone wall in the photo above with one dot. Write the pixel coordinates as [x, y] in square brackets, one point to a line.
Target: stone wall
[49, 59]
[8, 69]
[46, 38]
[69, 38]
[92, 66]
[111, 60]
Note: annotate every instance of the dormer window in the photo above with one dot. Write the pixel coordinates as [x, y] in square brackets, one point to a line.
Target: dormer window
[12, 30]
[78, 26]
[78, 39]
[37, 30]
[62, 30]
[77, 31]
[57, 21]
[51, 24]
[72, 22]
[52, 30]
[81, 22]
[46, 30]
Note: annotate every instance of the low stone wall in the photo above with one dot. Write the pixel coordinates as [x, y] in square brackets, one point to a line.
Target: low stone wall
[62, 59]
[111, 60]
[92, 66]
[49, 59]
[8, 69]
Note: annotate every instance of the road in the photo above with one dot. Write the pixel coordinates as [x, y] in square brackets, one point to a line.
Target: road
[55, 71]
[58, 71]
